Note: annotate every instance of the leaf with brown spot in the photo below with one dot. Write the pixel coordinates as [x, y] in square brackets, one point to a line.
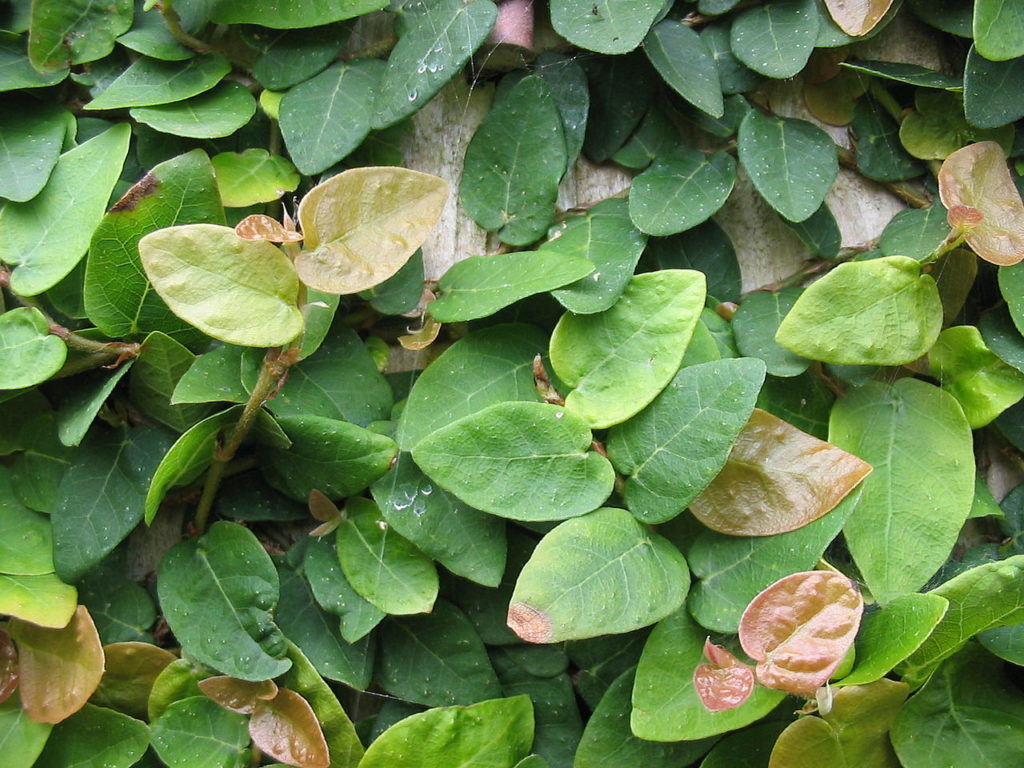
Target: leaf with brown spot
[259, 226]
[800, 628]
[131, 670]
[362, 225]
[857, 17]
[8, 666]
[725, 683]
[143, 188]
[286, 729]
[529, 624]
[776, 479]
[59, 668]
[242, 696]
[977, 177]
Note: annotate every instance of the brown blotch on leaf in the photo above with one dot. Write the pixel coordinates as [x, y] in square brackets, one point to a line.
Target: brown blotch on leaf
[143, 188]
[529, 624]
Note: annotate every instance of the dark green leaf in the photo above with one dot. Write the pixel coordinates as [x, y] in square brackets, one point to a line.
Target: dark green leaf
[568, 83]
[685, 63]
[79, 407]
[621, 90]
[75, 32]
[680, 190]
[32, 138]
[218, 112]
[95, 737]
[288, 58]
[217, 593]
[604, 26]
[911, 74]
[705, 248]
[15, 69]
[196, 733]
[149, 81]
[777, 38]
[435, 659]
[988, 90]
[755, 324]
[156, 372]
[915, 232]
[819, 232]
[335, 594]
[880, 155]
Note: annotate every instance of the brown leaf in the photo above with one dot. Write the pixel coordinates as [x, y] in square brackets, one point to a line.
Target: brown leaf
[8, 666]
[240, 696]
[976, 177]
[131, 668]
[59, 668]
[800, 628]
[857, 17]
[261, 227]
[422, 337]
[322, 508]
[725, 683]
[286, 729]
[777, 479]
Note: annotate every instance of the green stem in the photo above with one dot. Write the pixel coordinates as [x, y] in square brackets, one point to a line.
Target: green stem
[275, 365]
[953, 240]
[173, 22]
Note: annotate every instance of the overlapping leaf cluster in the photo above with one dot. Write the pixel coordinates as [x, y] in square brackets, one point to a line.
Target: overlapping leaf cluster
[603, 452]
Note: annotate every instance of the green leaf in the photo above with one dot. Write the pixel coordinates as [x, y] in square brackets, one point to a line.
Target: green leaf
[217, 593]
[524, 461]
[101, 497]
[338, 458]
[253, 176]
[79, 408]
[328, 116]
[665, 704]
[617, 361]
[492, 734]
[122, 609]
[118, 297]
[937, 127]
[32, 138]
[920, 507]
[915, 232]
[196, 732]
[364, 224]
[983, 384]
[705, 248]
[888, 636]
[606, 236]
[30, 354]
[16, 71]
[317, 634]
[969, 712]
[997, 26]
[291, 15]
[602, 559]
[148, 82]
[489, 366]
[289, 58]
[157, 370]
[514, 163]
[655, 136]
[342, 740]
[746, 748]
[568, 83]
[95, 737]
[218, 112]
[671, 450]
[75, 32]
[680, 190]
[150, 36]
[732, 570]
[791, 162]
[621, 90]
[239, 291]
[880, 155]
[214, 377]
[855, 731]
[435, 659]
[26, 540]
[755, 325]
[604, 26]
[987, 89]
[685, 63]
[21, 738]
[777, 38]
[44, 600]
[984, 597]
[608, 742]
[434, 48]
[37, 470]
[910, 74]
[334, 593]
[877, 312]
[76, 196]
[467, 542]
[382, 566]
[339, 382]
[481, 285]
[734, 76]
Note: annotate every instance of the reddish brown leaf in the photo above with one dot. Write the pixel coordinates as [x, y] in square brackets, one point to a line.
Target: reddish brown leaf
[131, 669]
[777, 479]
[800, 628]
[286, 729]
[976, 177]
[857, 17]
[240, 696]
[261, 227]
[964, 217]
[8, 666]
[59, 668]
[725, 683]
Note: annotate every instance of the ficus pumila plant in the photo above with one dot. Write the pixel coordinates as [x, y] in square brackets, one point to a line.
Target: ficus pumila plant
[511, 384]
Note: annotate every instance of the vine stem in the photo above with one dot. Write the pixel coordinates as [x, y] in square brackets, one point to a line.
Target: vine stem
[173, 22]
[272, 377]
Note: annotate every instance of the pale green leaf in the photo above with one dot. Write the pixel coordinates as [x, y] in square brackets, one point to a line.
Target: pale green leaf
[148, 82]
[218, 112]
[29, 353]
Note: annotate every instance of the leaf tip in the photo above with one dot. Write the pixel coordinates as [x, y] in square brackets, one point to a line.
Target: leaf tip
[530, 624]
